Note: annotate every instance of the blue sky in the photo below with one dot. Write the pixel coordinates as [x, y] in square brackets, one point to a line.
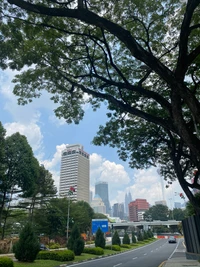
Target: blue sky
[48, 136]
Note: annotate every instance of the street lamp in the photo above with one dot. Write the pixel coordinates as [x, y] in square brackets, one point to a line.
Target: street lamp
[70, 192]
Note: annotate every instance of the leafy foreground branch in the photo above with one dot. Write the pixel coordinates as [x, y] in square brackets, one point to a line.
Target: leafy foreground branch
[136, 57]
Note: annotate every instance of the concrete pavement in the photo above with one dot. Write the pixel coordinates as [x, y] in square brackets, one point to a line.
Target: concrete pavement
[180, 262]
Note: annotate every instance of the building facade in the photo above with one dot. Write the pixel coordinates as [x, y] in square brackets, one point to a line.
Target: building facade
[118, 210]
[75, 172]
[101, 189]
[137, 208]
[98, 205]
[128, 199]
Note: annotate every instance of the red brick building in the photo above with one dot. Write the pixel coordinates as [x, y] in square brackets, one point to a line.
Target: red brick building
[137, 209]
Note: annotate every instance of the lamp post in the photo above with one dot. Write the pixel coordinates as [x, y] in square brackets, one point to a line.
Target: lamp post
[71, 191]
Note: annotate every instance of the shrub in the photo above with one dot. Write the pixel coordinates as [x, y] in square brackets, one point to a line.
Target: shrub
[126, 239]
[145, 235]
[113, 247]
[27, 248]
[140, 237]
[59, 255]
[100, 240]
[116, 240]
[133, 238]
[53, 245]
[6, 262]
[95, 251]
[78, 246]
[74, 243]
[125, 246]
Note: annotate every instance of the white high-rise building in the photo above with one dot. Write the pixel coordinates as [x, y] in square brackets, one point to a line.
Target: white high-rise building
[75, 172]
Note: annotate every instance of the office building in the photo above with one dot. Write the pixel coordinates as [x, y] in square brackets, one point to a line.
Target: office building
[101, 189]
[128, 199]
[137, 208]
[75, 172]
[118, 210]
[98, 205]
[161, 202]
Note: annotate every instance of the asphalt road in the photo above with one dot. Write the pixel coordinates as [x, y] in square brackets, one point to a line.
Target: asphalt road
[148, 256]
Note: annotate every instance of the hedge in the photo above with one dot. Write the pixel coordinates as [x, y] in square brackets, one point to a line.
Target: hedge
[6, 262]
[59, 255]
[113, 247]
[95, 251]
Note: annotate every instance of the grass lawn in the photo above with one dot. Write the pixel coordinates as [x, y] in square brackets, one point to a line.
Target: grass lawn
[83, 256]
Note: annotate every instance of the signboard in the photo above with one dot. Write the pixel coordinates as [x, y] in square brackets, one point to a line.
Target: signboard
[99, 223]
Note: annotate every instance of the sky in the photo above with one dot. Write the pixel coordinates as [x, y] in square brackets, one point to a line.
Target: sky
[48, 136]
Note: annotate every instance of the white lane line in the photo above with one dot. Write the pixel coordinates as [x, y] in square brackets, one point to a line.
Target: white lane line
[145, 254]
[135, 258]
[174, 250]
[152, 251]
[117, 264]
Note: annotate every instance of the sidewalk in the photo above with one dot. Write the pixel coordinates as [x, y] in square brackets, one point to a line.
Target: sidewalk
[180, 262]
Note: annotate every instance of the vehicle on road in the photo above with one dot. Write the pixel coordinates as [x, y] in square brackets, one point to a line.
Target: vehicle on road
[172, 239]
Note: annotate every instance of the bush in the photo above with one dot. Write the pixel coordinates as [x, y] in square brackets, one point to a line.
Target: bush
[133, 238]
[100, 240]
[74, 243]
[53, 245]
[59, 255]
[78, 246]
[125, 246]
[140, 237]
[116, 240]
[113, 247]
[146, 236]
[27, 248]
[95, 251]
[6, 262]
[126, 239]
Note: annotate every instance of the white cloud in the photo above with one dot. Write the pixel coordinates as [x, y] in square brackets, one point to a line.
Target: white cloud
[148, 185]
[105, 170]
[55, 161]
[31, 131]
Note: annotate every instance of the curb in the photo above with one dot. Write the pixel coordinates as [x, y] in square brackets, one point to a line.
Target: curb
[162, 264]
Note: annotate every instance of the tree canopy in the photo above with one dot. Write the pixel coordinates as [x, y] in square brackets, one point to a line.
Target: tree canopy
[157, 212]
[139, 58]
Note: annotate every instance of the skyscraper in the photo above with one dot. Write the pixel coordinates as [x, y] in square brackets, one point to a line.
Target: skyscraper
[75, 172]
[101, 189]
[128, 199]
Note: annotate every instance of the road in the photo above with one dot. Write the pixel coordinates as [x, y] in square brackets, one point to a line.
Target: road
[148, 256]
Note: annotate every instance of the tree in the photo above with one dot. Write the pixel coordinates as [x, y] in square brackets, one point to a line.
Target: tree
[27, 248]
[20, 171]
[126, 239]
[74, 243]
[116, 239]
[190, 208]
[178, 214]
[42, 191]
[51, 219]
[82, 214]
[133, 238]
[140, 236]
[100, 239]
[157, 212]
[145, 235]
[133, 56]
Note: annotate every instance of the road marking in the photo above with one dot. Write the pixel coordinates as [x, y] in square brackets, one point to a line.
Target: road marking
[152, 251]
[134, 258]
[145, 254]
[117, 264]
